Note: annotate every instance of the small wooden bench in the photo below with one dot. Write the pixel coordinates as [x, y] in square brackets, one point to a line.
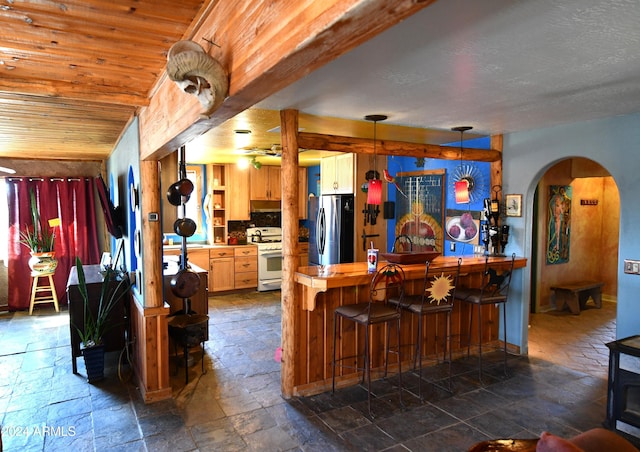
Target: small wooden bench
[576, 294]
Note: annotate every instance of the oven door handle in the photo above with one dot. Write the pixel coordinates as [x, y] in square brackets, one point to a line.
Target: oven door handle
[271, 254]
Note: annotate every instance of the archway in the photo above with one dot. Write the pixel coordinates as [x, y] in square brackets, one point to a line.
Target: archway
[591, 222]
[592, 230]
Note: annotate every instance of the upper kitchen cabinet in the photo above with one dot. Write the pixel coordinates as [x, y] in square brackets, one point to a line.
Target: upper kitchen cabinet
[337, 174]
[265, 183]
[238, 207]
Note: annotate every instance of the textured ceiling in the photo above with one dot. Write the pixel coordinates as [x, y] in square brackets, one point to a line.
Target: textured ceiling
[498, 65]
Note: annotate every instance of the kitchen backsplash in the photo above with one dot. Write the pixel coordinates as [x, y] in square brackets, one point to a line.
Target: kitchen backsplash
[264, 219]
[238, 229]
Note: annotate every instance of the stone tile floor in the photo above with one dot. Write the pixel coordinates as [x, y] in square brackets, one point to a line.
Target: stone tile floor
[236, 406]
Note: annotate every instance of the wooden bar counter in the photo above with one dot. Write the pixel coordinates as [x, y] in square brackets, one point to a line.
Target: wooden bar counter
[320, 291]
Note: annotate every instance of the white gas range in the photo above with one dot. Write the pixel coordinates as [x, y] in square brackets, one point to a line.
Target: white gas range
[269, 243]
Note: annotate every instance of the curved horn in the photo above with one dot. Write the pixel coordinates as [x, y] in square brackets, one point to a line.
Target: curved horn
[198, 73]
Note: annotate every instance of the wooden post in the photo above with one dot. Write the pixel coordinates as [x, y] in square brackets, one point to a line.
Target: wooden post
[496, 166]
[149, 322]
[150, 206]
[289, 177]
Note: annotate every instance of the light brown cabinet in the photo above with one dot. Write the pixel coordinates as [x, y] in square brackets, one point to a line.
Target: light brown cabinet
[337, 174]
[238, 207]
[265, 183]
[233, 268]
[246, 267]
[221, 269]
[303, 254]
[229, 267]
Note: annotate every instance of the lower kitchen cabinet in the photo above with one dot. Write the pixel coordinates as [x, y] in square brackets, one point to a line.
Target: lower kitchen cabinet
[233, 268]
[303, 256]
[221, 274]
[246, 267]
[221, 269]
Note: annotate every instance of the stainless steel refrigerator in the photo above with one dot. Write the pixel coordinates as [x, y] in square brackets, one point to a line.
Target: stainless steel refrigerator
[331, 232]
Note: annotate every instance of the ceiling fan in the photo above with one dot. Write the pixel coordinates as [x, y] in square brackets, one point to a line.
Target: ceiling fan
[274, 151]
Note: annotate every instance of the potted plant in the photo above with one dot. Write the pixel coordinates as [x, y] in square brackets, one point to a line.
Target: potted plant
[96, 320]
[40, 240]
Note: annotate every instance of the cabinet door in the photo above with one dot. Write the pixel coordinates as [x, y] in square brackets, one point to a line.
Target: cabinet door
[303, 250]
[237, 194]
[327, 176]
[260, 183]
[275, 187]
[344, 173]
[221, 274]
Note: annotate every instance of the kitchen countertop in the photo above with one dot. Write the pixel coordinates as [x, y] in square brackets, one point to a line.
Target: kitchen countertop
[196, 246]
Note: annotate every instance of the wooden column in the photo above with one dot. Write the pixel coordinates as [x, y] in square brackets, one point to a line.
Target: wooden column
[290, 304]
[149, 321]
[496, 165]
[151, 231]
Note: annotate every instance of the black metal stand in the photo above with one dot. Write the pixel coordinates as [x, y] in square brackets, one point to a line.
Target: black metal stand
[188, 330]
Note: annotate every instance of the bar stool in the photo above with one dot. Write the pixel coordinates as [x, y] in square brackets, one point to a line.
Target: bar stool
[438, 294]
[387, 281]
[494, 290]
[48, 289]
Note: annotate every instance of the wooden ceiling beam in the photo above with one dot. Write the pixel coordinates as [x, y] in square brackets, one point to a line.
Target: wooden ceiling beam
[265, 47]
[323, 142]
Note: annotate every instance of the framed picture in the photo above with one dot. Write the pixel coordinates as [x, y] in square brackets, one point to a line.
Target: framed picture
[513, 204]
[420, 212]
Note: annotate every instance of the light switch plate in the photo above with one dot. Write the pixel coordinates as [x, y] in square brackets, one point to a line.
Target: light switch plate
[632, 266]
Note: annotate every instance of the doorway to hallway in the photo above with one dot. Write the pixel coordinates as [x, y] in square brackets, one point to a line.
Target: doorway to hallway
[592, 231]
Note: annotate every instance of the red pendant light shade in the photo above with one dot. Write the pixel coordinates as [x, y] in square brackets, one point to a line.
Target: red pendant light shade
[462, 191]
[462, 187]
[374, 192]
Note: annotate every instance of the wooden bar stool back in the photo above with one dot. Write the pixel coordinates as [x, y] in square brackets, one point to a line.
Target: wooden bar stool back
[43, 293]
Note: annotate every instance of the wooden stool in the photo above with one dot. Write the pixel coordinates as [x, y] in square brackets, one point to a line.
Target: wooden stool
[49, 289]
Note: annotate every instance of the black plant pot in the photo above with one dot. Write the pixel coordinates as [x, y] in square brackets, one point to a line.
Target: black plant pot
[94, 362]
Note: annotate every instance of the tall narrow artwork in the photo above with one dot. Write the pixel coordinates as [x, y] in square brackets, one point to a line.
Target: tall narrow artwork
[558, 231]
[420, 213]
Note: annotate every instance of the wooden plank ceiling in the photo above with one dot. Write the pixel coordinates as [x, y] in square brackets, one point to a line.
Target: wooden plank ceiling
[73, 72]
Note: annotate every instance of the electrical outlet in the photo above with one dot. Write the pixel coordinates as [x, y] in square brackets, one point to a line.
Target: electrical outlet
[632, 267]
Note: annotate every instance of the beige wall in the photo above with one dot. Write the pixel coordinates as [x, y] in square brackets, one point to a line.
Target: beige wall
[594, 230]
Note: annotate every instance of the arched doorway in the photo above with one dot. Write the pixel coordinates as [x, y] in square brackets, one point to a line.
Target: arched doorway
[574, 241]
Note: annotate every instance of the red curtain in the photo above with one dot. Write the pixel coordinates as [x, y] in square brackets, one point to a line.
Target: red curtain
[70, 200]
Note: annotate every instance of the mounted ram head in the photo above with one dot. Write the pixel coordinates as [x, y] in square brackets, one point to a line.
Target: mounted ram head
[198, 73]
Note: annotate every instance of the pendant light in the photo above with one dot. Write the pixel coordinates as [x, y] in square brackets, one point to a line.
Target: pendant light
[461, 187]
[374, 191]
